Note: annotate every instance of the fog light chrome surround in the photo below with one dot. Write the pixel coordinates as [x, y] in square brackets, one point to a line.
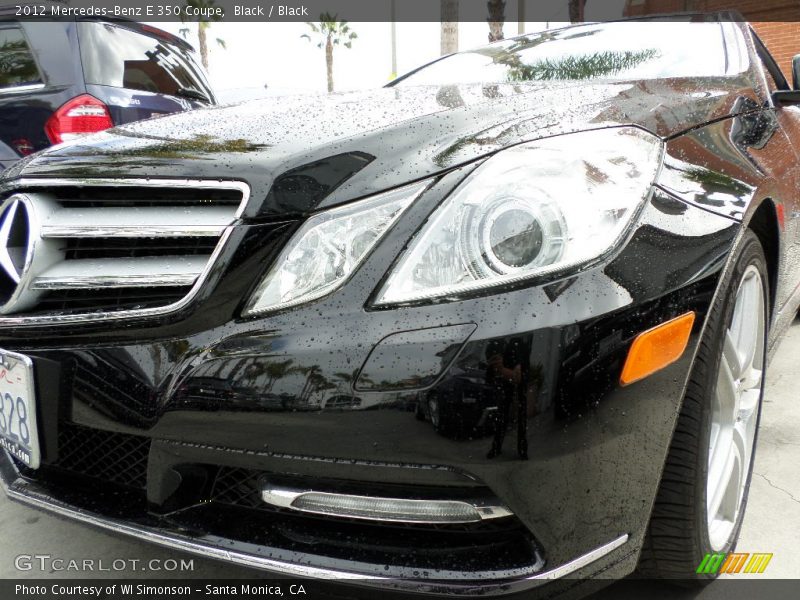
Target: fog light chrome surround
[376, 508]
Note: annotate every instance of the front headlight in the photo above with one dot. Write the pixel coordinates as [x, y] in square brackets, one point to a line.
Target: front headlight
[328, 248]
[534, 209]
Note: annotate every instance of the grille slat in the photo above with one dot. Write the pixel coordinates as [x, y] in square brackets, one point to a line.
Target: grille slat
[65, 301]
[79, 248]
[96, 273]
[128, 193]
[136, 221]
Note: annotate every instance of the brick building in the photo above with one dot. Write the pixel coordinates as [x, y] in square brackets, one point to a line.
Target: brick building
[777, 22]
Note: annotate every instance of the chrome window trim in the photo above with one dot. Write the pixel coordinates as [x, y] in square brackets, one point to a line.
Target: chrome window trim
[14, 186]
[459, 583]
[21, 89]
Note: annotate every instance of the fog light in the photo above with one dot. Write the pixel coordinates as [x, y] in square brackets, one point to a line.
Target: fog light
[382, 509]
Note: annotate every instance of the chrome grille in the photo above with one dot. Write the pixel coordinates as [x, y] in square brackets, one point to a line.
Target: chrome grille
[110, 248]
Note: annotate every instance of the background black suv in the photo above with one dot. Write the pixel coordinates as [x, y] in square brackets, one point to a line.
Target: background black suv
[60, 80]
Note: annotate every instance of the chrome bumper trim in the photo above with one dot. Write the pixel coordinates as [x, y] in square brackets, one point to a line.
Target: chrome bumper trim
[450, 582]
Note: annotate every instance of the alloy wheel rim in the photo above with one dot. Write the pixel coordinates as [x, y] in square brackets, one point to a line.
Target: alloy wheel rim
[734, 416]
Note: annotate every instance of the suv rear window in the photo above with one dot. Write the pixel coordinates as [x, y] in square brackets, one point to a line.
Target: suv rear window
[17, 65]
[118, 57]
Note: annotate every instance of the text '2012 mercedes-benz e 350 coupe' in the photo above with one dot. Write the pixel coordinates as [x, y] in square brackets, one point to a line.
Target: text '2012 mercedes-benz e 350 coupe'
[501, 323]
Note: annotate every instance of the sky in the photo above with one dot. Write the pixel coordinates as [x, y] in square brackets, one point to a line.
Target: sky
[274, 54]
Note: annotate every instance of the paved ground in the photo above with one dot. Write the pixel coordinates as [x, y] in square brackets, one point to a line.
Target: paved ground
[771, 524]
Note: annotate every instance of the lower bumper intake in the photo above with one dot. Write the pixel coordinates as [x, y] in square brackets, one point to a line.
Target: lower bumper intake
[169, 533]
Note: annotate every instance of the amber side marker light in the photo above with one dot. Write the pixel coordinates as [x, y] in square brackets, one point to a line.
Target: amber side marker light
[654, 349]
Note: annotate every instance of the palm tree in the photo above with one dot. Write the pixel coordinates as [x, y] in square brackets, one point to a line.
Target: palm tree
[497, 16]
[312, 374]
[315, 382]
[278, 370]
[449, 20]
[323, 386]
[331, 32]
[202, 26]
[349, 379]
[576, 11]
[254, 371]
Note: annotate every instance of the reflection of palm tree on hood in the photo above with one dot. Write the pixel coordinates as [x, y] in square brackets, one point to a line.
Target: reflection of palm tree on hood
[349, 379]
[599, 64]
[313, 376]
[588, 66]
[278, 370]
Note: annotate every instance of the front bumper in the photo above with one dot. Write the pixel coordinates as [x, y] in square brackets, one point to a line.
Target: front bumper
[157, 531]
[184, 426]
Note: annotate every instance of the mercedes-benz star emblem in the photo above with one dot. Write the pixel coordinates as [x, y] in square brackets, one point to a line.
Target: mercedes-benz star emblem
[14, 246]
[13, 240]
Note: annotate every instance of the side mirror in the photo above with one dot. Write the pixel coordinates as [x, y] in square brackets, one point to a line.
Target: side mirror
[790, 96]
[796, 72]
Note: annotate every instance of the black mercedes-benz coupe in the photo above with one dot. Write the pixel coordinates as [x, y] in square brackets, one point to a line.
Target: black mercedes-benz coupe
[501, 323]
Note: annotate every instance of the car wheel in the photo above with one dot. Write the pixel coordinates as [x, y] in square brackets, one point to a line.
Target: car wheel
[701, 500]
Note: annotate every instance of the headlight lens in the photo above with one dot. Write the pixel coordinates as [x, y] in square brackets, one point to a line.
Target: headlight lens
[328, 248]
[531, 210]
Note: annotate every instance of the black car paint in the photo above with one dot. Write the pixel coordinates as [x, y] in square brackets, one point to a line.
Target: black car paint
[594, 449]
[56, 49]
[359, 143]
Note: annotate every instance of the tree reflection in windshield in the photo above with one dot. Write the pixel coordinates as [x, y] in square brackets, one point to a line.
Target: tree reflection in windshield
[610, 51]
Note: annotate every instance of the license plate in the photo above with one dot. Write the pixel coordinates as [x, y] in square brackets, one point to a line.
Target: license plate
[18, 432]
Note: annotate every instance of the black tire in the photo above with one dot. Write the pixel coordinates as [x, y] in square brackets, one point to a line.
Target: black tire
[677, 537]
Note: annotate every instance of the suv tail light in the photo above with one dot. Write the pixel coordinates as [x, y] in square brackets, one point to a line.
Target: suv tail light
[82, 115]
[23, 146]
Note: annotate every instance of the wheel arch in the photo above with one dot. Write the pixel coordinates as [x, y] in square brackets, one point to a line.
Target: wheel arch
[765, 223]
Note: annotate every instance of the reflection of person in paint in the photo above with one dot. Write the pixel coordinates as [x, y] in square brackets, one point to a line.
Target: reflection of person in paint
[506, 373]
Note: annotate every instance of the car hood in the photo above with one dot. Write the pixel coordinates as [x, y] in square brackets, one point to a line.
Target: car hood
[306, 152]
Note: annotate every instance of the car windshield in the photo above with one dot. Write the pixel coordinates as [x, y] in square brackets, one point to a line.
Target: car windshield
[119, 57]
[609, 51]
